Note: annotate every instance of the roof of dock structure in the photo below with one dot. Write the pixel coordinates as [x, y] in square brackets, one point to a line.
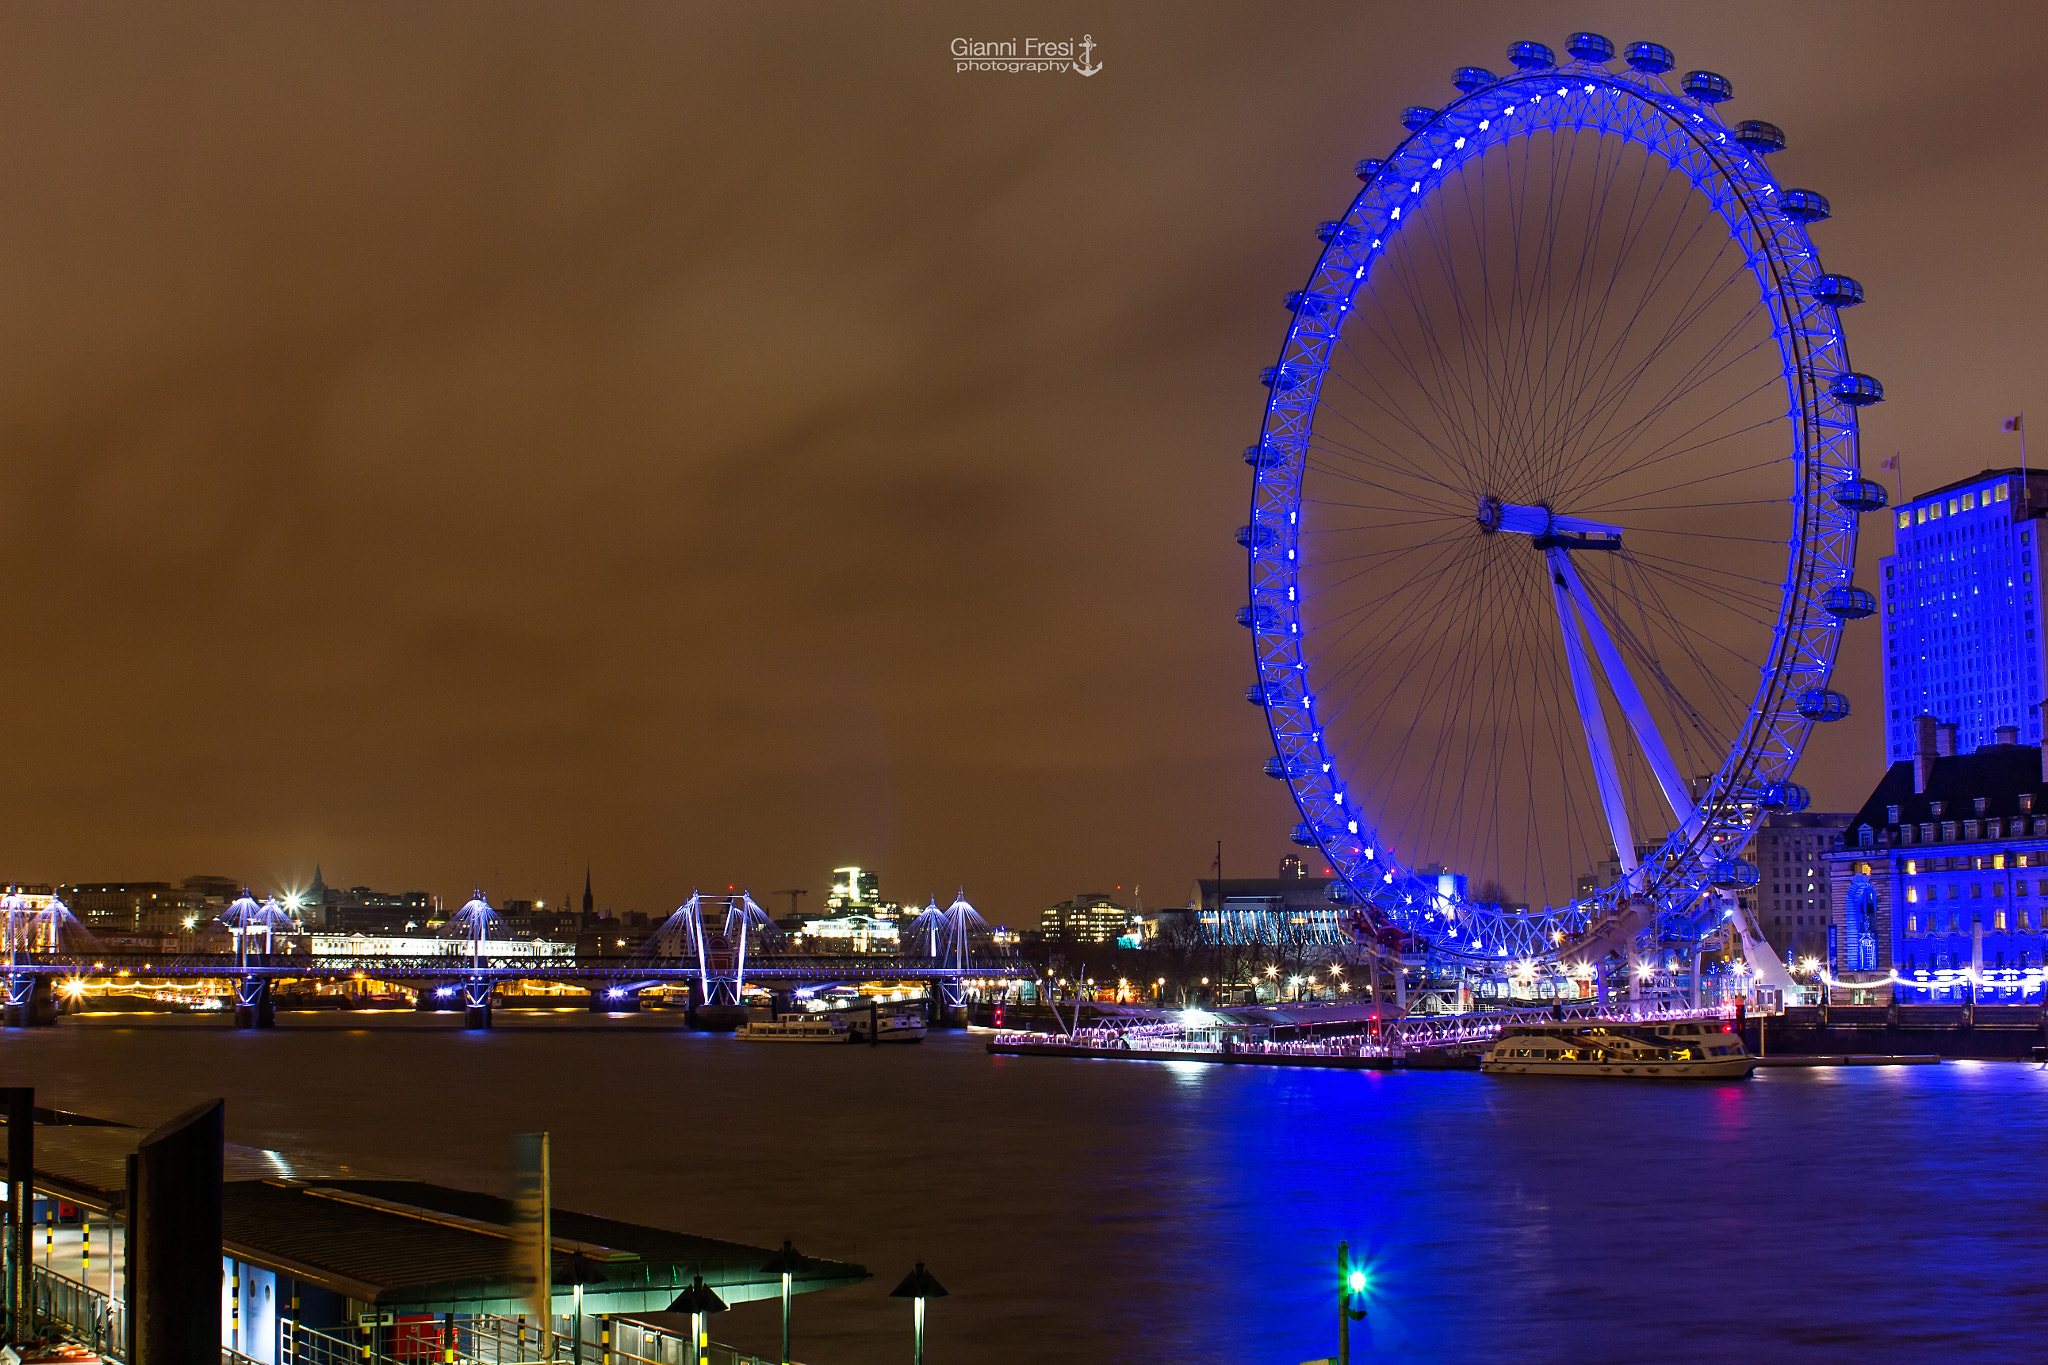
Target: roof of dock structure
[415, 1246]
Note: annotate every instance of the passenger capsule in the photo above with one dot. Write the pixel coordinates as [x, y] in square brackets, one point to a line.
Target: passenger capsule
[1805, 206]
[1284, 767]
[1471, 78]
[1369, 168]
[1283, 378]
[1256, 536]
[1308, 304]
[1786, 796]
[1709, 87]
[1840, 290]
[1306, 836]
[1857, 390]
[1532, 56]
[1819, 704]
[1653, 58]
[1847, 602]
[1336, 234]
[1416, 117]
[1255, 694]
[1339, 892]
[1264, 456]
[1734, 874]
[1257, 616]
[1859, 495]
[1760, 137]
[1590, 47]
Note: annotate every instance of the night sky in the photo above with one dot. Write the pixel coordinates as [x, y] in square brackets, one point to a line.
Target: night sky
[450, 443]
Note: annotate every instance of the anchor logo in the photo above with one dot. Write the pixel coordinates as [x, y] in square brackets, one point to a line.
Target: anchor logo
[1087, 55]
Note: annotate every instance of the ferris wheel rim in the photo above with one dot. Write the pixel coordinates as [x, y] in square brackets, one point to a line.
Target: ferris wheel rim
[1688, 136]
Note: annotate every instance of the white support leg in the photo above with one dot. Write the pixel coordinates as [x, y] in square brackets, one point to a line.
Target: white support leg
[1593, 720]
[1623, 684]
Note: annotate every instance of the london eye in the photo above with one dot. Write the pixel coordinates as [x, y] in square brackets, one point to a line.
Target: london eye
[1554, 509]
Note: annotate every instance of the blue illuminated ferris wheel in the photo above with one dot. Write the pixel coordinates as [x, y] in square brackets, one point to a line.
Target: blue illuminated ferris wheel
[1554, 510]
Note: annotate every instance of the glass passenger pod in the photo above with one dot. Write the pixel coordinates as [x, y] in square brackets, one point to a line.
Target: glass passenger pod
[1590, 47]
[1283, 378]
[1760, 137]
[1307, 836]
[1805, 206]
[1264, 456]
[1256, 536]
[1369, 168]
[1857, 390]
[1709, 87]
[1652, 59]
[1823, 706]
[1471, 78]
[1257, 616]
[1285, 768]
[1734, 874]
[1416, 117]
[1840, 290]
[1309, 304]
[1784, 796]
[1336, 234]
[1847, 602]
[1859, 495]
[1532, 56]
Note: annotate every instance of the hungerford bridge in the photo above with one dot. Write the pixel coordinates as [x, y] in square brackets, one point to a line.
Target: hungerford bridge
[715, 957]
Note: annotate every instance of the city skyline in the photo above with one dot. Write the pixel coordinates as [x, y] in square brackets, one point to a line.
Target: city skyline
[471, 540]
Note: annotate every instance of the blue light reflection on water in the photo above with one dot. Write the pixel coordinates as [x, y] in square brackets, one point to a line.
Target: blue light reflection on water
[1135, 1212]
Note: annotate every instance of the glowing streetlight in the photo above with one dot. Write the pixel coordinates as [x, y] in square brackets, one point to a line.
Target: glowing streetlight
[918, 1286]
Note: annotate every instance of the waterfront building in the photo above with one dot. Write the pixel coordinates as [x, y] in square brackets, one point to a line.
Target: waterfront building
[854, 889]
[1271, 910]
[1793, 902]
[398, 945]
[1087, 917]
[1945, 868]
[854, 933]
[135, 907]
[1961, 611]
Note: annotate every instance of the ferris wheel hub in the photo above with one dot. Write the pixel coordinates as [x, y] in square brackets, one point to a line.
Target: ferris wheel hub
[1546, 527]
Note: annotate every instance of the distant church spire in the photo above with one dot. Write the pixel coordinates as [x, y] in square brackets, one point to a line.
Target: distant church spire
[589, 901]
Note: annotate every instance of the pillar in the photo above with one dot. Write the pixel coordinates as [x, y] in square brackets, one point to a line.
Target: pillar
[21, 1168]
[254, 1007]
[174, 1230]
[476, 1004]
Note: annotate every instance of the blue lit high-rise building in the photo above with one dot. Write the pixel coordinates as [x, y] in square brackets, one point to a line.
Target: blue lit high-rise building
[1962, 611]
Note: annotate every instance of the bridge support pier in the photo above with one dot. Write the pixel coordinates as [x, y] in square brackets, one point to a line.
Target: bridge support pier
[253, 1005]
[948, 1004]
[30, 1002]
[476, 1003]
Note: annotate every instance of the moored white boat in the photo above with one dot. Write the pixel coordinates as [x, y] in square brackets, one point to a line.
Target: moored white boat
[891, 1026]
[1702, 1051]
[797, 1028]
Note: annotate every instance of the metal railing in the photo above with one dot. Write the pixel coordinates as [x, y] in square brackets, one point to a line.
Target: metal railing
[86, 1314]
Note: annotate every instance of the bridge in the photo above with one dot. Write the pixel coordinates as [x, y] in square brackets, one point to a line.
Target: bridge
[716, 983]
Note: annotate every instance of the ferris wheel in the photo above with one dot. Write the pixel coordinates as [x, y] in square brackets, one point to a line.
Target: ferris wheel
[1554, 509]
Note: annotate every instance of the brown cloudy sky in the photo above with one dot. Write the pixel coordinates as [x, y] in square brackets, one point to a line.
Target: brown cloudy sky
[448, 442]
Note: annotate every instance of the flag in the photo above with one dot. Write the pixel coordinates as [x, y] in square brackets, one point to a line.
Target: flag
[2016, 423]
[1891, 464]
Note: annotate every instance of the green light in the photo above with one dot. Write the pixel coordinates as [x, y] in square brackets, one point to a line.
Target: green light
[1358, 1281]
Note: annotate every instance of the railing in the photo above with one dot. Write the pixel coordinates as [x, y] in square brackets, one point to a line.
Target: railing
[86, 1314]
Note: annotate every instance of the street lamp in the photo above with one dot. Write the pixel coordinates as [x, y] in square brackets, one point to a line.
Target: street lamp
[786, 1263]
[700, 1302]
[1350, 1285]
[918, 1286]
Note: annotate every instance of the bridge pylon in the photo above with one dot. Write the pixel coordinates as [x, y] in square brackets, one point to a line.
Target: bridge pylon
[30, 1002]
[254, 1007]
[476, 1002]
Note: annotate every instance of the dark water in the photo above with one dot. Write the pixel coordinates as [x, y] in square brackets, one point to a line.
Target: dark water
[1114, 1212]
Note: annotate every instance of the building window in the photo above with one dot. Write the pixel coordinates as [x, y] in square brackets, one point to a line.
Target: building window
[1998, 922]
[1912, 924]
[1969, 829]
[1948, 829]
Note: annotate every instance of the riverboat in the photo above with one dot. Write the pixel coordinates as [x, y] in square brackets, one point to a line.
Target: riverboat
[797, 1028]
[891, 1026]
[1636, 1051]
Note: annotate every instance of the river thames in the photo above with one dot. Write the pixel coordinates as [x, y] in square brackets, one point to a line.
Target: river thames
[1178, 1212]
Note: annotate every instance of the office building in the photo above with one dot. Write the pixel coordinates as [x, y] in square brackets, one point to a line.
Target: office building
[1794, 901]
[1961, 611]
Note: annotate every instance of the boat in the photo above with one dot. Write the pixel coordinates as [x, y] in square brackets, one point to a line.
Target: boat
[1684, 1050]
[891, 1026]
[797, 1028]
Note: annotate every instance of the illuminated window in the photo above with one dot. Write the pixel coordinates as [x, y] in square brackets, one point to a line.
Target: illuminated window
[1905, 518]
[2002, 491]
[1912, 921]
[1912, 895]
